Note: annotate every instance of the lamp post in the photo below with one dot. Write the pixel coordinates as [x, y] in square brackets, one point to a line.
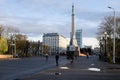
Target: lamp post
[13, 40]
[100, 54]
[105, 38]
[114, 29]
[14, 44]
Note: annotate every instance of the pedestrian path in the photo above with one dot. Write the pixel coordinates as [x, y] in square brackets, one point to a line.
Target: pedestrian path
[81, 69]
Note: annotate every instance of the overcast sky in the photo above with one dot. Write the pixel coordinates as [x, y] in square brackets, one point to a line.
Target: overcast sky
[35, 17]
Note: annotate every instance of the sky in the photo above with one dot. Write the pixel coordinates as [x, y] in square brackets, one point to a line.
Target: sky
[35, 17]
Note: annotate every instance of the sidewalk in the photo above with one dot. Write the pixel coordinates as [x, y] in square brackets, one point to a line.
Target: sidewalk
[81, 69]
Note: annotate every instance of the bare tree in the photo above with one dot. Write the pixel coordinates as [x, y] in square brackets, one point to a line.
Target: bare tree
[1, 30]
[21, 37]
[11, 30]
[107, 25]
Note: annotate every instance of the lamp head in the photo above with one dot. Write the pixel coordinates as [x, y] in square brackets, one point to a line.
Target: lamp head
[105, 33]
[109, 7]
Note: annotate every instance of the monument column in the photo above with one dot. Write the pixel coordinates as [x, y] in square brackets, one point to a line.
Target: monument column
[73, 40]
[73, 49]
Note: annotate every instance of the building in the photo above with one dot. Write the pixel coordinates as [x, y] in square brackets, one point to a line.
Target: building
[56, 42]
[79, 37]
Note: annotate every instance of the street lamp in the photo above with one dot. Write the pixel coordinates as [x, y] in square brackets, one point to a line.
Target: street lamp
[114, 29]
[13, 44]
[105, 36]
[100, 54]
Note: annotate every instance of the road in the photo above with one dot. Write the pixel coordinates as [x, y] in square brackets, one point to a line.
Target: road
[11, 69]
[81, 69]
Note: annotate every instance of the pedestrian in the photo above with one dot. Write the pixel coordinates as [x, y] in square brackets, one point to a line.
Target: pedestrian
[46, 55]
[76, 56]
[57, 58]
[72, 58]
[87, 55]
[99, 56]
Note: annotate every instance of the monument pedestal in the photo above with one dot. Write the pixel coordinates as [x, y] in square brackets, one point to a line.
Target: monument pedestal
[72, 51]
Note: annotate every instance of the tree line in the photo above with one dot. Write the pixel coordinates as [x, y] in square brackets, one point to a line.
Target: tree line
[14, 43]
[107, 26]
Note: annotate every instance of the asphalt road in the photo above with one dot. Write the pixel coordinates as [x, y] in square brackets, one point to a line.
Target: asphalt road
[81, 69]
[11, 69]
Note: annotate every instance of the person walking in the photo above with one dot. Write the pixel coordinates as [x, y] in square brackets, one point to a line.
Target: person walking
[57, 58]
[87, 55]
[46, 55]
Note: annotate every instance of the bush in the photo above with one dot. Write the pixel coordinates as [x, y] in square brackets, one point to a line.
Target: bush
[3, 45]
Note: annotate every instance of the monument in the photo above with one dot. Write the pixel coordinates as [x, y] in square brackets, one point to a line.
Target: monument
[73, 48]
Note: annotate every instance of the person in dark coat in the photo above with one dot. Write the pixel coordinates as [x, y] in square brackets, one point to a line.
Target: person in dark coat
[46, 55]
[87, 55]
[57, 58]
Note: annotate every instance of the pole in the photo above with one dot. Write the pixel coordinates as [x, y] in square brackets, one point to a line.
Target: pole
[114, 38]
[15, 49]
[114, 29]
[105, 50]
[105, 38]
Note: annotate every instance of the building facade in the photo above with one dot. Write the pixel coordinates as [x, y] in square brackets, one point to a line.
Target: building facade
[56, 42]
[79, 37]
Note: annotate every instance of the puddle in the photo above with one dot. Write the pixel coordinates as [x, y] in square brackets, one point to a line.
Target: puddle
[64, 68]
[94, 69]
